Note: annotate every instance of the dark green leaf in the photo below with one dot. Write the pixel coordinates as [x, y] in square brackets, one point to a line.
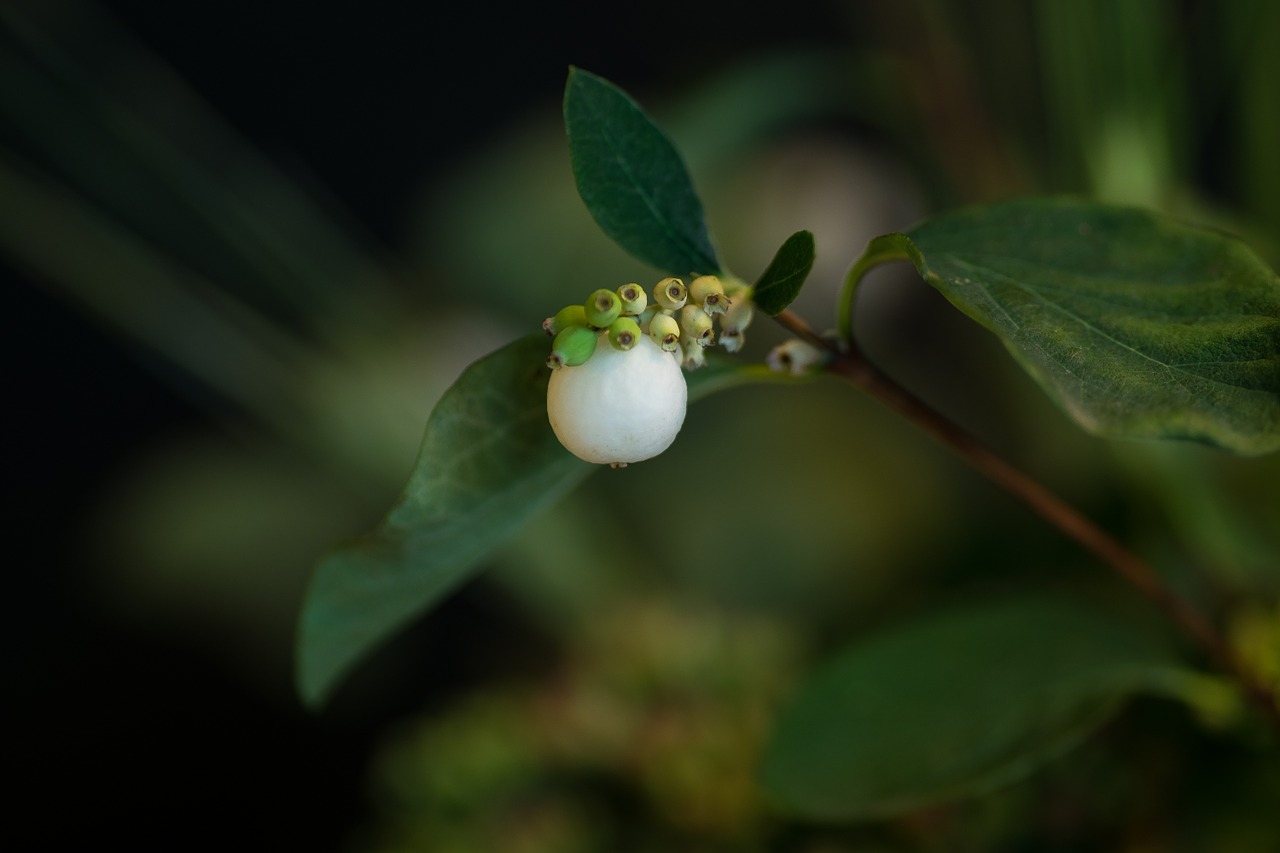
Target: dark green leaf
[632, 178]
[954, 705]
[1138, 325]
[488, 462]
[780, 283]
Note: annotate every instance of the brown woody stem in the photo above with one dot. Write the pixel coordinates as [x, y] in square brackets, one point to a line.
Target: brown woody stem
[848, 363]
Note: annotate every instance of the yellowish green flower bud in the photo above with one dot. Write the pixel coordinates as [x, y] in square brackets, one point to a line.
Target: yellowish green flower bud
[734, 323]
[665, 331]
[633, 299]
[695, 355]
[602, 308]
[670, 293]
[708, 292]
[646, 316]
[570, 315]
[695, 326]
[572, 345]
[624, 332]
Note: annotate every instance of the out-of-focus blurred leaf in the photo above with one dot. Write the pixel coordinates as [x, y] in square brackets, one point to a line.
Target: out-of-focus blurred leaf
[1138, 325]
[954, 704]
[632, 178]
[781, 281]
[488, 462]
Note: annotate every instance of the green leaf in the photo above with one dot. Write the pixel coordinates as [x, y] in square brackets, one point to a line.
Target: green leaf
[488, 462]
[632, 178]
[954, 705]
[781, 281]
[1138, 325]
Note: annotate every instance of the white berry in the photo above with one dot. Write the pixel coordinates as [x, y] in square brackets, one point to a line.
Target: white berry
[618, 407]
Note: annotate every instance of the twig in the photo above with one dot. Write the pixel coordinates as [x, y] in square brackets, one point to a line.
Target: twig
[848, 362]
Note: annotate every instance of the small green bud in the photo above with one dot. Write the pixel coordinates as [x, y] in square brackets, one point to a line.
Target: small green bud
[671, 294]
[602, 308]
[695, 325]
[665, 332]
[572, 346]
[570, 315]
[707, 291]
[633, 299]
[624, 332]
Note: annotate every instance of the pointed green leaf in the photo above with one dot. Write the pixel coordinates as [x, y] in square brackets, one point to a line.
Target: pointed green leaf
[781, 281]
[632, 178]
[488, 462]
[954, 705]
[1138, 325]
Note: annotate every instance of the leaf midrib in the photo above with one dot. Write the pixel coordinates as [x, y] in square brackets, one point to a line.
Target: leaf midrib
[674, 234]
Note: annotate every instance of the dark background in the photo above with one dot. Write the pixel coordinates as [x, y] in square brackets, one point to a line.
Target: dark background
[122, 733]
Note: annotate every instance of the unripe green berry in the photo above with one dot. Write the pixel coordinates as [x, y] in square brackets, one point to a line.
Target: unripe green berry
[572, 346]
[570, 315]
[665, 332]
[633, 299]
[671, 294]
[695, 325]
[602, 308]
[708, 292]
[624, 332]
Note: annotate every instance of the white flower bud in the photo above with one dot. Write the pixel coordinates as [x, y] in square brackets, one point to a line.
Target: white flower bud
[795, 357]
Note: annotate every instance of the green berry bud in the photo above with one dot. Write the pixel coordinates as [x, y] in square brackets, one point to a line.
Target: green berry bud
[707, 291]
[695, 325]
[624, 332]
[665, 332]
[570, 315]
[602, 308]
[572, 346]
[670, 293]
[633, 299]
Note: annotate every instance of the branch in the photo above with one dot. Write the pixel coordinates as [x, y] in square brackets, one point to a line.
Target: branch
[847, 362]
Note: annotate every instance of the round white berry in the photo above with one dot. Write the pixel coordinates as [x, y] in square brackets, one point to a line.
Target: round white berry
[618, 407]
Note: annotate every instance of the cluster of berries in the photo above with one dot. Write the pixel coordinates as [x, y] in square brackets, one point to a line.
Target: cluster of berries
[679, 319]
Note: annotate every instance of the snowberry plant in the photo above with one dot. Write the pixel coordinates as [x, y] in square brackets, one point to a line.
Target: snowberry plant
[1139, 326]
